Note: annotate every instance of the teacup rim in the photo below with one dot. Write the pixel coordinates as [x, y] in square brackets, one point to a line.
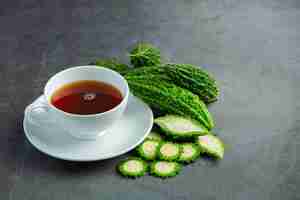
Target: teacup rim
[124, 99]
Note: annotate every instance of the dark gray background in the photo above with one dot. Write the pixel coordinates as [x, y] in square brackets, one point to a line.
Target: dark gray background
[252, 47]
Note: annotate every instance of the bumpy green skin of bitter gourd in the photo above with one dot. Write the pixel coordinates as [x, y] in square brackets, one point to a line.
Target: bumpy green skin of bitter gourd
[189, 147]
[113, 64]
[187, 76]
[169, 157]
[195, 79]
[153, 77]
[156, 171]
[122, 168]
[145, 54]
[175, 127]
[141, 71]
[155, 136]
[148, 154]
[171, 99]
[211, 145]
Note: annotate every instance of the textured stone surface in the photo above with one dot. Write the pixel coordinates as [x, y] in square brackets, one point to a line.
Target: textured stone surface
[252, 47]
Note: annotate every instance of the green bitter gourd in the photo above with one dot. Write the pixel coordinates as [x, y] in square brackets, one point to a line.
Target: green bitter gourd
[195, 79]
[211, 145]
[132, 167]
[190, 152]
[164, 169]
[145, 54]
[191, 77]
[148, 149]
[171, 99]
[169, 151]
[180, 128]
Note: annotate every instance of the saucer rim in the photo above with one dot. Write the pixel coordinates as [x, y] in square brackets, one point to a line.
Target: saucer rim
[112, 155]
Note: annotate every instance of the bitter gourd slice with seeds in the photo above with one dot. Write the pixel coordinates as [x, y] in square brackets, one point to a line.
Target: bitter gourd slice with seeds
[132, 167]
[178, 127]
[154, 136]
[211, 145]
[148, 149]
[164, 169]
[169, 151]
[190, 152]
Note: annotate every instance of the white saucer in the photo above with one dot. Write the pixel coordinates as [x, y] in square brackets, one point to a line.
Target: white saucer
[125, 135]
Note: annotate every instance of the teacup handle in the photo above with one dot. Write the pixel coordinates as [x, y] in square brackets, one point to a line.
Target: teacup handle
[38, 113]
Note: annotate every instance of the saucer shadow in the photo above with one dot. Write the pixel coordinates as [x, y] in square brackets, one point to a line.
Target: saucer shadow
[41, 163]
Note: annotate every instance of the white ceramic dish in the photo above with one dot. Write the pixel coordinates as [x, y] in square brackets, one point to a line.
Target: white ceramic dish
[126, 134]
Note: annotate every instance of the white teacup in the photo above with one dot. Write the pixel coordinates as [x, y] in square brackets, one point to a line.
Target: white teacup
[43, 113]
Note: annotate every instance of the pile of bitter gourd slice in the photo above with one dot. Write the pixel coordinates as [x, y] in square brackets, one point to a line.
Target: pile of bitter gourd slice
[179, 94]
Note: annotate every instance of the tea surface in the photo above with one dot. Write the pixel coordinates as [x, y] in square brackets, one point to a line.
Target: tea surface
[86, 97]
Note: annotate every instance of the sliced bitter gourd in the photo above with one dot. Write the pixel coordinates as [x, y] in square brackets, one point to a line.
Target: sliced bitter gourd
[154, 136]
[169, 151]
[133, 167]
[211, 145]
[179, 127]
[190, 152]
[148, 149]
[164, 169]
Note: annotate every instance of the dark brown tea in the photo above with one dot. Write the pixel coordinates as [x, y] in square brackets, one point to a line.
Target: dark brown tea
[86, 97]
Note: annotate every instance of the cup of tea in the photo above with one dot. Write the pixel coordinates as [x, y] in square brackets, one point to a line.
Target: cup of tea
[84, 101]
